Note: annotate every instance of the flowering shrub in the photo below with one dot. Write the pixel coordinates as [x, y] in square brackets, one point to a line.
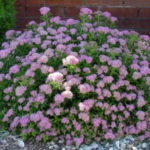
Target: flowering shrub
[62, 78]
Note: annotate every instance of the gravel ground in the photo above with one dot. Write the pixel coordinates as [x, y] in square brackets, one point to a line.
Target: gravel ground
[9, 142]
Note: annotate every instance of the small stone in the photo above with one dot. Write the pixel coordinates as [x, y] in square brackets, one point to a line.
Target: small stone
[129, 137]
[94, 145]
[123, 146]
[100, 148]
[134, 148]
[87, 148]
[4, 141]
[111, 148]
[144, 145]
[52, 143]
[130, 146]
[55, 146]
[67, 147]
[21, 144]
[118, 144]
[60, 141]
[50, 147]
[107, 145]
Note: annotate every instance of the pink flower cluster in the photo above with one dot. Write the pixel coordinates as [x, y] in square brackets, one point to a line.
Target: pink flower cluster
[56, 77]
[70, 60]
[44, 10]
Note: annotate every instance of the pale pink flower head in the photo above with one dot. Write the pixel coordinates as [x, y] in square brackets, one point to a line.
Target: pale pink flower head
[101, 84]
[86, 69]
[44, 124]
[113, 116]
[45, 88]
[106, 14]
[130, 107]
[49, 52]
[145, 70]
[14, 69]
[113, 125]
[40, 98]
[35, 66]
[106, 93]
[8, 90]
[38, 137]
[126, 114]
[56, 20]
[84, 88]
[32, 22]
[68, 142]
[114, 108]
[77, 126]
[30, 73]
[71, 21]
[86, 11]
[4, 53]
[96, 122]
[1, 77]
[84, 116]
[117, 95]
[91, 77]
[141, 115]
[51, 69]
[123, 71]
[56, 77]
[148, 80]
[44, 10]
[136, 75]
[135, 66]
[14, 123]
[24, 120]
[65, 120]
[88, 104]
[116, 63]
[141, 102]
[67, 94]
[104, 58]
[61, 47]
[44, 69]
[9, 113]
[109, 135]
[35, 117]
[70, 60]
[7, 98]
[142, 125]
[1, 64]
[113, 19]
[82, 106]
[43, 59]
[57, 111]
[73, 31]
[59, 98]
[20, 90]
[9, 34]
[78, 141]
[108, 79]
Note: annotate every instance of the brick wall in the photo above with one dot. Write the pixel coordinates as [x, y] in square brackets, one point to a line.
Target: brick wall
[132, 14]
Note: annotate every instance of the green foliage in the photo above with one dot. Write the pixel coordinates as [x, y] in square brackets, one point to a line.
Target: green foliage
[7, 17]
